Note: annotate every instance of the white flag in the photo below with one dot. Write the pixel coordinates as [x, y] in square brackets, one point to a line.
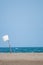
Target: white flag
[5, 38]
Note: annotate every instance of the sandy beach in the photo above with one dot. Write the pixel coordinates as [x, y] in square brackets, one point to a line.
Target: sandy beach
[21, 59]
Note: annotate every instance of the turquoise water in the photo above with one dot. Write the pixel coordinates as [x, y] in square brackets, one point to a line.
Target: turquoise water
[22, 49]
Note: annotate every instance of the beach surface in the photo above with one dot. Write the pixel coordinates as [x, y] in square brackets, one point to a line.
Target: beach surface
[21, 58]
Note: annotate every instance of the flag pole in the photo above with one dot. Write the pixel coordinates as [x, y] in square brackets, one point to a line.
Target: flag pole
[9, 46]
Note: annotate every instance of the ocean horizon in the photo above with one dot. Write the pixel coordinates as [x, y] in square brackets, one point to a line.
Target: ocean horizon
[21, 49]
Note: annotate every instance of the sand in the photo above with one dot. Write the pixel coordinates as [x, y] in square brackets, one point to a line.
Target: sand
[21, 59]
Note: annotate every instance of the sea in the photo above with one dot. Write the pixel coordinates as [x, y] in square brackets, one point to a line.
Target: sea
[21, 49]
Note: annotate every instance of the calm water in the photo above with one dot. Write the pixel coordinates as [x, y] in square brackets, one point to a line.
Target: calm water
[22, 49]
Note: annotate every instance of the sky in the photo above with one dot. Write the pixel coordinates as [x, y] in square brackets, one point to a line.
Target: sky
[22, 20]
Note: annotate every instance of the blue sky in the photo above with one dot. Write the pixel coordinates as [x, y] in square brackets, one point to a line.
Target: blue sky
[22, 20]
